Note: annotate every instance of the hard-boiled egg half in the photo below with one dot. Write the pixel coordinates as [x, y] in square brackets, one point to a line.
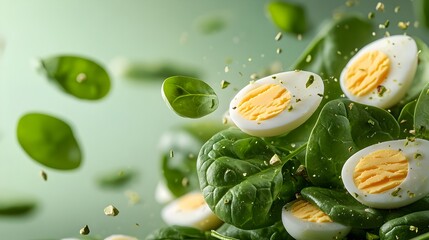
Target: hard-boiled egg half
[304, 221]
[190, 210]
[381, 72]
[120, 237]
[390, 174]
[276, 104]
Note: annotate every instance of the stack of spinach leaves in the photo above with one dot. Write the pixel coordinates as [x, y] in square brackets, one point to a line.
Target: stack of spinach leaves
[247, 192]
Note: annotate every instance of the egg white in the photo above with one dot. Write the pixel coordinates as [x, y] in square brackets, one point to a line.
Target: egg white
[402, 52]
[304, 101]
[305, 230]
[202, 217]
[414, 187]
[120, 237]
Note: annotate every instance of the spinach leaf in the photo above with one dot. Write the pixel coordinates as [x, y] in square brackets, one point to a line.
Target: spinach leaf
[239, 182]
[178, 233]
[78, 76]
[422, 11]
[179, 149]
[343, 128]
[329, 53]
[343, 208]
[406, 227]
[421, 114]
[424, 236]
[189, 97]
[211, 24]
[273, 232]
[49, 141]
[406, 119]
[116, 178]
[16, 205]
[288, 17]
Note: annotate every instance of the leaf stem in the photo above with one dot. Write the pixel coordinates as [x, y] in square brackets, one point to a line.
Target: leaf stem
[220, 236]
[294, 153]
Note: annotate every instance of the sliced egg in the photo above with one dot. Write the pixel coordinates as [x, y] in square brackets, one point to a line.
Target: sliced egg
[276, 104]
[190, 210]
[304, 221]
[120, 237]
[381, 72]
[390, 174]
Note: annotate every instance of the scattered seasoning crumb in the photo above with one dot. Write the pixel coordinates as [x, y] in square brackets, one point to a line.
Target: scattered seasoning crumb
[279, 50]
[301, 171]
[379, 7]
[298, 100]
[299, 37]
[309, 81]
[249, 59]
[44, 175]
[240, 73]
[350, 3]
[351, 106]
[386, 24]
[244, 174]
[320, 95]
[412, 131]
[278, 36]
[356, 195]
[226, 69]
[381, 90]
[224, 84]
[395, 193]
[290, 108]
[254, 76]
[403, 25]
[403, 121]
[111, 211]
[133, 197]
[417, 155]
[171, 154]
[85, 230]
[414, 228]
[350, 149]
[370, 121]
[371, 15]
[308, 58]
[274, 159]
[416, 24]
[81, 77]
[387, 34]
[185, 182]
[397, 8]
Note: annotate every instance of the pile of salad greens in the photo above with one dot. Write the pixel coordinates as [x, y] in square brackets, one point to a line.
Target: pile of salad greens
[248, 194]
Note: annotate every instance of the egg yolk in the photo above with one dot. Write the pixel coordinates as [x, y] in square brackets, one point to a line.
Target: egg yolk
[264, 102]
[191, 202]
[308, 212]
[380, 171]
[367, 72]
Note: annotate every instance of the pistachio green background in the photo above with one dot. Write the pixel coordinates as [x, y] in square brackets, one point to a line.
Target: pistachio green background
[123, 129]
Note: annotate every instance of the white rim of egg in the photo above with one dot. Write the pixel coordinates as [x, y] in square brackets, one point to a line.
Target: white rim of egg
[393, 47]
[304, 102]
[408, 192]
[306, 230]
[120, 237]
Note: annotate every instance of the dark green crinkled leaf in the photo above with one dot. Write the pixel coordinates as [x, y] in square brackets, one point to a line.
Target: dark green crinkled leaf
[343, 208]
[274, 232]
[421, 114]
[189, 97]
[49, 140]
[238, 181]
[406, 227]
[406, 119]
[288, 17]
[178, 233]
[116, 178]
[343, 128]
[179, 149]
[78, 76]
[16, 206]
[330, 52]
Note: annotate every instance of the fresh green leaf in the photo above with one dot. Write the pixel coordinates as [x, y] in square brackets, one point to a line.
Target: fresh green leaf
[238, 181]
[210, 24]
[16, 205]
[184, 142]
[189, 97]
[421, 114]
[49, 140]
[424, 236]
[178, 233]
[422, 12]
[116, 178]
[78, 76]
[221, 237]
[274, 232]
[347, 127]
[406, 119]
[288, 17]
[406, 227]
[343, 208]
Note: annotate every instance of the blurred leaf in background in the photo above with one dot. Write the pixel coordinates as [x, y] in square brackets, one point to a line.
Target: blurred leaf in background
[288, 17]
[116, 178]
[49, 141]
[78, 76]
[16, 205]
[211, 23]
[422, 12]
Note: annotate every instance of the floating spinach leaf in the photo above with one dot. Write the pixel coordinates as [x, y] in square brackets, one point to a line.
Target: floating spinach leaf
[78, 76]
[406, 227]
[16, 206]
[343, 208]
[343, 128]
[329, 53]
[49, 141]
[116, 178]
[421, 114]
[406, 119]
[422, 11]
[239, 183]
[288, 17]
[189, 97]
[179, 150]
[211, 24]
[274, 232]
[178, 233]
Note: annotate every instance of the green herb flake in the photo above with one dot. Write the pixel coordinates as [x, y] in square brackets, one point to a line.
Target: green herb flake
[278, 50]
[224, 84]
[44, 175]
[403, 25]
[185, 182]
[396, 193]
[381, 90]
[417, 155]
[386, 24]
[379, 7]
[111, 211]
[278, 36]
[371, 15]
[371, 236]
[309, 81]
[371, 122]
[397, 8]
[290, 108]
[85, 230]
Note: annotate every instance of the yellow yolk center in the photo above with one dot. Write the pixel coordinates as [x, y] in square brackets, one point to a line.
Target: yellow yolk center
[380, 171]
[191, 202]
[308, 212]
[264, 102]
[367, 72]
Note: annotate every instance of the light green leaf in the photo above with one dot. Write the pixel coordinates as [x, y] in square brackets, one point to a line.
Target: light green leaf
[288, 17]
